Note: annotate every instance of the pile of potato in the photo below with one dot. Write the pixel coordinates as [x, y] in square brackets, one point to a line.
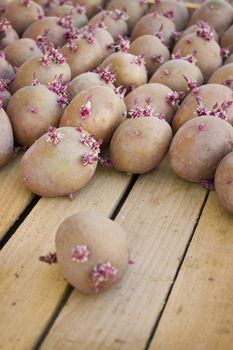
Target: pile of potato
[82, 78]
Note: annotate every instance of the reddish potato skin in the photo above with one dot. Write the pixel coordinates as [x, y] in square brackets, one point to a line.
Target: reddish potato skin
[28, 126]
[45, 75]
[207, 53]
[19, 51]
[114, 27]
[56, 170]
[128, 73]
[56, 32]
[210, 94]
[223, 75]
[219, 14]
[108, 111]
[181, 14]
[22, 16]
[157, 93]
[6, 138]
[79, 20]
[199, 146]
[224, 181]
[172, 72]
[104, 239]
[138, 145]
[150, 46]
[134, 9]
[151, 24]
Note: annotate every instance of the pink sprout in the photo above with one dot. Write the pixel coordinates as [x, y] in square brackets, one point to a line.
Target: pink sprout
[71, 196]
[160, 115]
[54, 136]
[188, 41]
[229, 181]
[66, 21]
[190, 58]
[46, 59]
[80, 254]
[81, 10]
[204, 31]
[157, 2]
[208, 184]
[35, 80]
[118, 15]
[73, 46]
[107, 162]
[157, 58]
[142, 2]
[175, 35]
[50, 259]
[110, 46]
[139, 60]
[43, 43]
[34, 109]
[120, 91]
[169, 14]
[89, 158]
[79, 129]
[228, 82]
[86, 109]
[173, 98]
[123, 43]
[3, 84]
[4, 25]
[101, 273]
[40, 14]
[201, 127]
[224, 52]
[2, 55]
[107, 74]
[192, 85]
[160, 33]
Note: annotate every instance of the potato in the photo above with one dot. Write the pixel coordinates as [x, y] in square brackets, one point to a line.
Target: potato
[106, 42]
[86, 81]
[7, 72]
[19, 51]
[152, 49]
[83, 57]
[92, 251]
[92, 6]
[174, 10]
[134, 8]
[130, 69]
[115, 22]
[192, 30]
[157, 94]
[227, 39]
[56, 33]
[31, 110]
[45, 73]
[172, 72]
[4, 93]
[199, 146]
[78, 14]
[229, 59]
[218, 13]
[7, 34]
[6, 138]
[207, 53]
[223, 75]
[210, 95]
[155, 25]
[60, 162]
[224, 181]
[138, 145]
[22, 13]
[98, 110]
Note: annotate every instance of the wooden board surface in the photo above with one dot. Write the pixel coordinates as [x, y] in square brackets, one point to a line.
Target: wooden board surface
[199, 314]
[31, 290]
[159, 216]
[14, 197]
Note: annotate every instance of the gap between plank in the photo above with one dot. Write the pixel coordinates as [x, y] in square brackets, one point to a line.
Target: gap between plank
[69, 288]
[176, 274]
[18, 222]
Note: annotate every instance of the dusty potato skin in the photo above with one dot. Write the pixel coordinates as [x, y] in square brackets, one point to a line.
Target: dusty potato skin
[151, 24]
[92, 6]
[79, 20]
[114, 27]
[138, 145]
[172, 72]
[219, 14]
[45, 75]
[86, 81]
[210, 94]
[199, 146]
[154, 51]
[22, 16]
[52, 170]
[56, 32]
[106, 42]
[157, 93]
[128, 73]
[181, 14]
[134, 9]
[4, 97]
[227, 39]
[207, 53]
[223, 75]
[19, 51]
[87, 57]
[6, 138]
[224, 182]
[31, 111]
[192, 30]
[105, 241]
[6, 69]
[8, 37]
[108, 111]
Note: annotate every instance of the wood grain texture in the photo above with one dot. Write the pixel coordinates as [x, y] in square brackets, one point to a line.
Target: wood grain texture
[31, 290]
[14, 197]
[199, 314]
[159, 216]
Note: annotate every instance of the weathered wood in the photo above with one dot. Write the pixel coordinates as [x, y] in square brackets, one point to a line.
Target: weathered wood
[199, 314]
[31, 290]
[14, 197]
[159, 215]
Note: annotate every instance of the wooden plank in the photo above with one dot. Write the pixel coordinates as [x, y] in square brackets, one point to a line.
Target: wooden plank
[159, 215]
[199, 314]
[31, 290]
[14, 197]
